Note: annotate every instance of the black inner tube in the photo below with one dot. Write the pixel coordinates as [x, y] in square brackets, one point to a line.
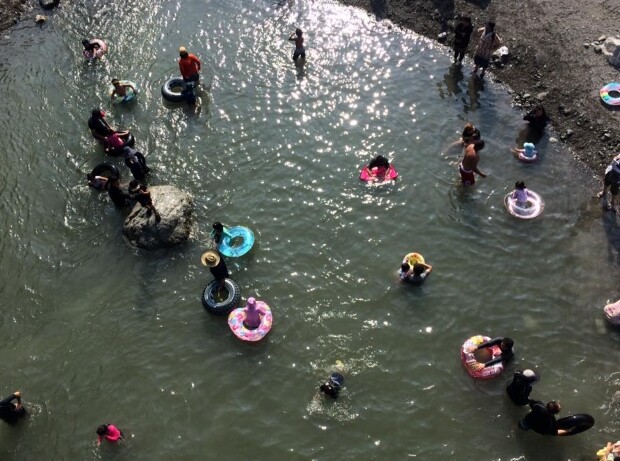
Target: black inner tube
[575, 424]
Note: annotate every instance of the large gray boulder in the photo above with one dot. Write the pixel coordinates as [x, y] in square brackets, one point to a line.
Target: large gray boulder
[176, 209]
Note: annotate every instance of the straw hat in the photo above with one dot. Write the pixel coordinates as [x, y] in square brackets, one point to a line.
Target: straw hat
[210, 258]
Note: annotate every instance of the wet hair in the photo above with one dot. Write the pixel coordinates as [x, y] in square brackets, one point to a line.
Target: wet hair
[97, 112]
[183, 54]
[520, 185]
[478, 144]
[553, 407]
[102, 430]
[506, 344]
[298, 32]
[468, 130]
[404, 267]
[133, 184]
[418, 269]
[90, 176]
[86, 44]
[218, 226]
[115, 81]
[379, 160]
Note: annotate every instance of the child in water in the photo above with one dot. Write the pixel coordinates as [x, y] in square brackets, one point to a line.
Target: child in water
[528, 153]
[333, 385]
[298, 38]
[416, 274]
[520, 194]
[110, 432]
[121, 89]
[252, 315]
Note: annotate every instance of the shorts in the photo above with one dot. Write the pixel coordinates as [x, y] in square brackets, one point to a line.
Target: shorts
[612, 181]
[467, 177]
[481, 62]
[192, 78]
[299, 52]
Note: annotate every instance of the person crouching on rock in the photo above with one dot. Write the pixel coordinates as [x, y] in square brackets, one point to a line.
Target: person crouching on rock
[142, 195]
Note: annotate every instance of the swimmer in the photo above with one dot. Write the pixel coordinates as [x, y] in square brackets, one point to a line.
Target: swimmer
[98, 125]
[537, 118]
[541, 418]
[115, 141]
[377, 168]
[121, 90]
[505, 345]
[110, 432]
[469, 164]
[97, 182]
[611, 452]
[136, 162]
[521, 385]
[527, 153]
[416, 274]
[9, 411]
[90, 45]
[333, 385]
[252, 315]
[298, 38]
[520, 194]
[470, 134]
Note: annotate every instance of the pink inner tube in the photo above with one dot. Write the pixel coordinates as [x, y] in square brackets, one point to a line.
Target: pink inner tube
[525, 159]
[96, 53]
[612, 312]
[378, 174]
[237, 316]
[474, 368]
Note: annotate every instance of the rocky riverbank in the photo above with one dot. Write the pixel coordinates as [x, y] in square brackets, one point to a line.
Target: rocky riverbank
[555, 58]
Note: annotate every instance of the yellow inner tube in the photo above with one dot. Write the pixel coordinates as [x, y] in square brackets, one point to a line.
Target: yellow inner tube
[414, 258]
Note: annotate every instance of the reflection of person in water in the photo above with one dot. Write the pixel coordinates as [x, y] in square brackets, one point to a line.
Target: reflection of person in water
[451, 81]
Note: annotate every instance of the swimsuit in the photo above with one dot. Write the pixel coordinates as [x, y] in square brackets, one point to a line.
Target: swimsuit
[467, 176]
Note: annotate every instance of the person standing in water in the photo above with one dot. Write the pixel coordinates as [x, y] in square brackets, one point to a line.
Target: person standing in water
[469, 164]
[189, 65]
[300, 50]
[520, 387]
[109, 432]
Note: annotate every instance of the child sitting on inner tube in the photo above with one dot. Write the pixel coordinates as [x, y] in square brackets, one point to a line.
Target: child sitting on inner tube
[416, 274]
[333, 385]
[505, 345]
[520, 194]
[378, 167]
[121, 90]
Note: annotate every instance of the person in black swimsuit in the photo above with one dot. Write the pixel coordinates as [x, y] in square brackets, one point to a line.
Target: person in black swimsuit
[10, 412]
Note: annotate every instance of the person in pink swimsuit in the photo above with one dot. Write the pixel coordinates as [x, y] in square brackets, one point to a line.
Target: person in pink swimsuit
[252, 315]
[110, 432]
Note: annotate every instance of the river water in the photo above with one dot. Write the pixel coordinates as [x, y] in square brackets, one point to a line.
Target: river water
[95, 331]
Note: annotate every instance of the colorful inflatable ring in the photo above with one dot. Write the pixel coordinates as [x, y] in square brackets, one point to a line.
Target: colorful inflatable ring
[575, 424]
[471, 364]
[236, 318]
[413, 258]
[233, 249]
[612, 312]
[378, 174]
[535, 206]
[130, 96]
[103, 48]
[525, 159]
[607, 98]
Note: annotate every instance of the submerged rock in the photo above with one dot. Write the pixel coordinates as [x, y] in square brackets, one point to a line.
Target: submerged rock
[176, 209]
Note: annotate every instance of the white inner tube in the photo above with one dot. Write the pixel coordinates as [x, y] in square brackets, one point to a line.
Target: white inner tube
[532, 208]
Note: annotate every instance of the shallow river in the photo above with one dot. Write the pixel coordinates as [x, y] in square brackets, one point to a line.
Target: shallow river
[95, 331]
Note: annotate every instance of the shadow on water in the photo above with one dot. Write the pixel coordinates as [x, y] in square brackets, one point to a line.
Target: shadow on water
[612, 231]
[451, 82]
[474, 88]
[529, 134]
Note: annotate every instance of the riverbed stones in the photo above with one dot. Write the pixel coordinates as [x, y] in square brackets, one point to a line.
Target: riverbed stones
[176, 209]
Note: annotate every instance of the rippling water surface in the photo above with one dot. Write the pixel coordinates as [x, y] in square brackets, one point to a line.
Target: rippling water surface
[95, 331]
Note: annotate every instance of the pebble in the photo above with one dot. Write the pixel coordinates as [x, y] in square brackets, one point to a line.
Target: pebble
[39, 19]
[526, 96]
[553, 140]
[586, 45]
[541, 96]
[602, 38]
[598, 49]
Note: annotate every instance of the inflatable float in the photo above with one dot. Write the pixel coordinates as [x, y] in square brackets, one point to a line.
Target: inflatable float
[475, 368]
[212, 302]
[117, 151]
[413, 258]
[612, 312]
[177, 90]
[575, 424]
[610, 94]
[129, 96]
[529, 154]
[534, 206]
[98, 53]
[237, 316]
[378, 174]
[236, 241]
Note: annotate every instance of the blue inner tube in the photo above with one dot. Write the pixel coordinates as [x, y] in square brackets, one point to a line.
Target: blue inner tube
[237, 241]
[576, 424]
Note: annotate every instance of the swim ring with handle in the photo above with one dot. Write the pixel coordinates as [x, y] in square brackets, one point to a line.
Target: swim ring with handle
[237, 316]
[534, 206]
[236, 241]
[477, 369]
